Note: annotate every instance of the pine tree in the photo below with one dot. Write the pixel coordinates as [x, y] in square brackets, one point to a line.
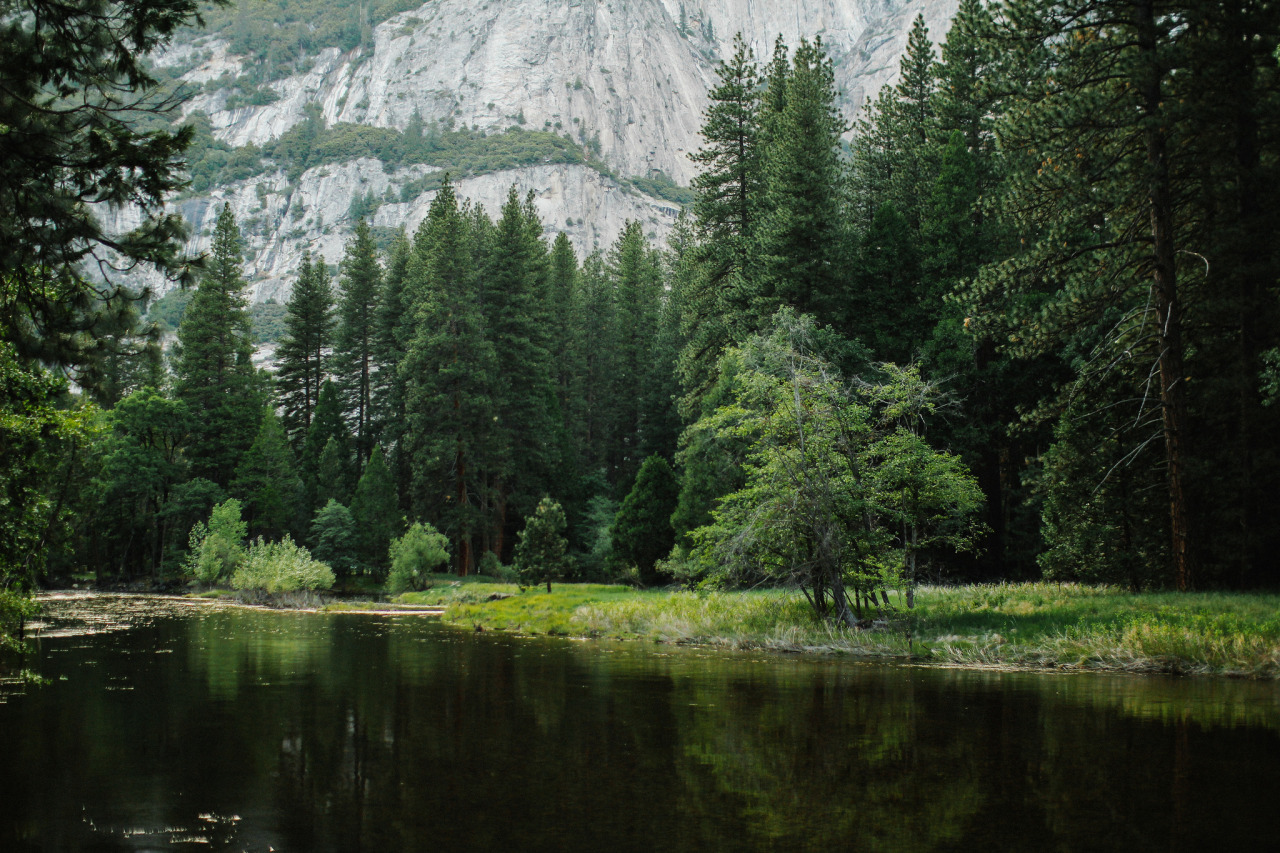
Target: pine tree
[267, 482]
[327, 426]
[301, 355]
[642, 532]
[637, 284]
[567, 341]
[597, 418]
[333, 474]
[716, 304]
[517, 324]
[1115, 209]
[803, 253]
[214, 366]
[376, 511]
[541, 553]
[394, 329]
[449, 372]
[334, 539]
[913, 122]
[359, 288]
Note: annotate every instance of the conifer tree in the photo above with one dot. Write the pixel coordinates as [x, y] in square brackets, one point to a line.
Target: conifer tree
[333, 474]
[214, 367]
[301, 355]
[359, 288]
[912, 119]
[642, 533]
[376, 511]
[541, 553]
[267, 481]
[802, 239]
[448, 370]
[636, 281]
[394, 328]
[517, 324]
[716, 303]
[333, 538]
[1114, 211]
[327, 426]
[566, 318]
[597, 419]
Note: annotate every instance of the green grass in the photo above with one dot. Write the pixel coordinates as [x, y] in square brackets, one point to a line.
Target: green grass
[1019, 625]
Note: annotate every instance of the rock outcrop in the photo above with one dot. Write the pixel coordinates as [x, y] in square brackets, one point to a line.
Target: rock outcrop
[627, 77]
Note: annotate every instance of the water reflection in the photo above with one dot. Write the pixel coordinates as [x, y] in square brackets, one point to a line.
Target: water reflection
[213, 726]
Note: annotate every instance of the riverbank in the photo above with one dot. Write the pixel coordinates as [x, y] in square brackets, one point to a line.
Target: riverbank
[1028, 626]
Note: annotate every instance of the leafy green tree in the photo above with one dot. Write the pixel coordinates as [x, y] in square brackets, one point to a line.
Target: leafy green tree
[420, 551]
[359, 288]
[300, 357]
[929, 499]
[267, 481]
[216, 378]
[217, 548]
[642, 533]
[541, 553]
[34, 432]
[143, 463]
[334, 540]
[840, 493]
[375, 511]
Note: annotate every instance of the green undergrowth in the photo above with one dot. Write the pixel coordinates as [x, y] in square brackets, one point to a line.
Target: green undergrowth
[1022, 625]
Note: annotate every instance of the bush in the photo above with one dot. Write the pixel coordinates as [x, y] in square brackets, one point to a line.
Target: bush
[420, 551]
[217, 549]
[282, 566]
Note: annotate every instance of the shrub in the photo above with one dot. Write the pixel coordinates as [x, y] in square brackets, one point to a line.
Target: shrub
[282, 566]
[217, 549]
[420, 551]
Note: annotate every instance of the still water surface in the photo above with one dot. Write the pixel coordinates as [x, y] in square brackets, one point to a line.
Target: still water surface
[175, 726]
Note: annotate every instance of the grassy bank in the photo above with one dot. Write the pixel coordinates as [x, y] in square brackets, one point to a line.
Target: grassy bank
[1023, 625]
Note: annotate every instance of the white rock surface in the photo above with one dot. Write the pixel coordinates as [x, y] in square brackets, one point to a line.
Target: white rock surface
[279, 225]
[635, 72]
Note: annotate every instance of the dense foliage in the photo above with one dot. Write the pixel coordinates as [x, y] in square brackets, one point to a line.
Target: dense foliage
[1023, 324]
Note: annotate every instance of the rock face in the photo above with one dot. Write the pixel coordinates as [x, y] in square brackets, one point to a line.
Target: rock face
[628, 75]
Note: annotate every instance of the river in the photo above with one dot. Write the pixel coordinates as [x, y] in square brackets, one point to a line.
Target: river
[172, 725]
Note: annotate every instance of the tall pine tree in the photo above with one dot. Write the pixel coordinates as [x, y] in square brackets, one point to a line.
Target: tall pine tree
[359, 288]
[301, 355]
[214, 365]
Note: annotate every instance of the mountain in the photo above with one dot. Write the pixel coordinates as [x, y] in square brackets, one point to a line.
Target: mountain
[313, 113]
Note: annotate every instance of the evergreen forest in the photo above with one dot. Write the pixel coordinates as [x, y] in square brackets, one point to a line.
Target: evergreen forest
[1018, 318]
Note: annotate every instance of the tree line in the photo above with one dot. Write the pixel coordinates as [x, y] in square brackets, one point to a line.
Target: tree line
[1027, 312]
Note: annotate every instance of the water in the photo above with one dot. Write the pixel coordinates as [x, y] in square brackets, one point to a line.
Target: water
[179, 726]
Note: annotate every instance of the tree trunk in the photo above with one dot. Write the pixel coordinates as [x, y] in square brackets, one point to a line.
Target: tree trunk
[1165, 297]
